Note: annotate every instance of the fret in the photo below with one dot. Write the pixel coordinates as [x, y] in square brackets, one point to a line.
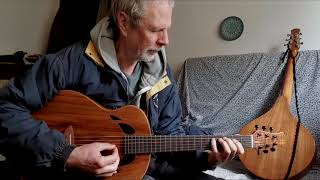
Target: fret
[135, 144]
[201, 142]
[170, 137]
[194, 142]
[176, 142]
[152, 144]
[188, 144]
[165, 143]
[125, 145]
[160, 143]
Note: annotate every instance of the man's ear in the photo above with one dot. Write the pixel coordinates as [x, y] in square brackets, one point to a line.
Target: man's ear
[123, 23]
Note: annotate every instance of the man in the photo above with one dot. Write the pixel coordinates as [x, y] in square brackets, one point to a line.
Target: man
[124, 63]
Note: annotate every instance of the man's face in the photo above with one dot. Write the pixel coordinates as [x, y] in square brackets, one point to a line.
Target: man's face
[146, 40]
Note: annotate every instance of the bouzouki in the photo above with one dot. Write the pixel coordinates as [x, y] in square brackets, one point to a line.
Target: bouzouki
[267, 153]
[297, 149]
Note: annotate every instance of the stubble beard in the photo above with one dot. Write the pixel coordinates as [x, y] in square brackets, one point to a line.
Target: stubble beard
[149, 55]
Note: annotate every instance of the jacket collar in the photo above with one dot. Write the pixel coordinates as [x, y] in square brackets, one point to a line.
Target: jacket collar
[92, 52]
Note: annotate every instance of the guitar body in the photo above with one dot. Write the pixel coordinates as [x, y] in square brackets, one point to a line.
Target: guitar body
[90, 121]
[268, 164]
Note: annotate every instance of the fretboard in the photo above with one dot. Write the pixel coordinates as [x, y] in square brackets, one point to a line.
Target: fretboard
[173, 143]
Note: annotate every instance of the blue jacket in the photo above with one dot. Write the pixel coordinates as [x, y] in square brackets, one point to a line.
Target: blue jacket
[30, 143]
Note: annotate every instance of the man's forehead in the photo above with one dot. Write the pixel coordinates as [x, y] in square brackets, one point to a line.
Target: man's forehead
[155, 2]
[157, 14]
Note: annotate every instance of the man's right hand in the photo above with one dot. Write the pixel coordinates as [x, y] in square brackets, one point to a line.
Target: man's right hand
[88, 158]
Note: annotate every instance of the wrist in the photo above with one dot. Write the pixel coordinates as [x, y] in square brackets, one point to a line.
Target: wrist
[63, 155]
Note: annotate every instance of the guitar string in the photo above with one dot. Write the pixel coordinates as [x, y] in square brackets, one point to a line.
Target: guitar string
[129, 142]
[298, 116]
[153, 139]
[161, 138]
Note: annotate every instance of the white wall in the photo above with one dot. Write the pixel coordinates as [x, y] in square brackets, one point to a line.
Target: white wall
[195, 27]
[25, 25]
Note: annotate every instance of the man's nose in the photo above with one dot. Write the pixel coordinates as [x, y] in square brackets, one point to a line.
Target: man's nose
[163, 38]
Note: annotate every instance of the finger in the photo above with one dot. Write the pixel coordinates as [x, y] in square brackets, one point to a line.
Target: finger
[104, 160]
[111, 168]
[226, 149]
[225, 145]
[109, 159]
[232, 147]
[107, 174]
[239, 146]
[214, 145]
[104, 146]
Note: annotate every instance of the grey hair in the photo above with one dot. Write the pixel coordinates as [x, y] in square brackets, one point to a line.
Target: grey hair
[133, 8]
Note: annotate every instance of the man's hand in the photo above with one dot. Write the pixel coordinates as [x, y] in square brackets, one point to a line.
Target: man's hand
[229, 149]
[88, 158]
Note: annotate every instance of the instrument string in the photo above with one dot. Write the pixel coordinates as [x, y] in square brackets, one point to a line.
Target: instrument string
[298, 115]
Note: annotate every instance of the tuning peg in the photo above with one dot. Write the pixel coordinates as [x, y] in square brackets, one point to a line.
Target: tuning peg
[287, 39]
[300, 33]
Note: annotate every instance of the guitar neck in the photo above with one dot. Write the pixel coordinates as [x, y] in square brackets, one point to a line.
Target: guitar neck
[175, 143]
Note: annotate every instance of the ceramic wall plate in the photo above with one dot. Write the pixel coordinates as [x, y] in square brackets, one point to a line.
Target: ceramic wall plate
[231, 28]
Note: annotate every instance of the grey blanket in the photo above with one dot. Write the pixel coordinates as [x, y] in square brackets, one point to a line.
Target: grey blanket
[223, 93]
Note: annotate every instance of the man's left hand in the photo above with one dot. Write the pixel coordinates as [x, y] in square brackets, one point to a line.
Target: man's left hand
[229, 149]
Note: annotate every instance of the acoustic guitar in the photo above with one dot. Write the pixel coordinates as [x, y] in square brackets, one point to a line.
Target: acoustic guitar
[268, 153]
[297, 149]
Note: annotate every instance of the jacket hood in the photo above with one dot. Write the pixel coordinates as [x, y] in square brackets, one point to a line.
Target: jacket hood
[102, 37]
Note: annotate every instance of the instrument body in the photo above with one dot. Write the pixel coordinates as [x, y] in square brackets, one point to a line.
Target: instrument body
[297, 149]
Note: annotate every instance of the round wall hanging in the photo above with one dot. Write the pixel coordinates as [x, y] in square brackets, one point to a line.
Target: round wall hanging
[231, 28]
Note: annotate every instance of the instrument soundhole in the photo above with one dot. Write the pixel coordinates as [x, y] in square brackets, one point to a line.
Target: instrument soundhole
[127, 129]
[113, 117]
[126, 159]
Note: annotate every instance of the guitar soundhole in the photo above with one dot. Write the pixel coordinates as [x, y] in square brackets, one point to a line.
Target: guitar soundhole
[127, 159]
[113, 117]
[126, 128]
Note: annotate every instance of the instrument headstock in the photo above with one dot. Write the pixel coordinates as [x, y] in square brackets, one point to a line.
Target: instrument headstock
[294, 42]
[267, 141]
